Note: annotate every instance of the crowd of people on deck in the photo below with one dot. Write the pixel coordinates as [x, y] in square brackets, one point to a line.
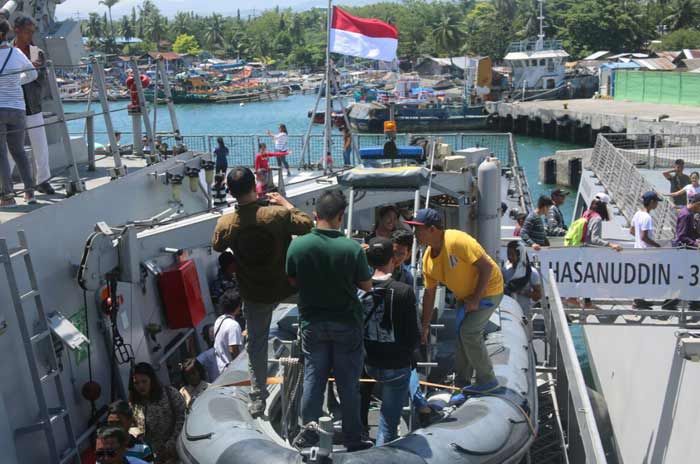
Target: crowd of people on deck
[362, 322]
[547, 221]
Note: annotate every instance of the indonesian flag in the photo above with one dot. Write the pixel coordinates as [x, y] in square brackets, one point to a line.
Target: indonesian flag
[362, 37]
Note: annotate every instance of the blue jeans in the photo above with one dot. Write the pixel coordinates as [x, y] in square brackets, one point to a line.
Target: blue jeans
[347, 156]
[327, 345]
[395, 389]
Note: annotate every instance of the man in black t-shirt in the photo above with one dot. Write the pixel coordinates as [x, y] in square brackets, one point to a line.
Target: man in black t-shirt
[391, 335]
[678, 180]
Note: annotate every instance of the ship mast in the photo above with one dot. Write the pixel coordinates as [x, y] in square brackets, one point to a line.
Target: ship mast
[327, 117]
[540, 37]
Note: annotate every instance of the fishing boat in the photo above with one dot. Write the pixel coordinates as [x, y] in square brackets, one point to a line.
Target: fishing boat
[416, 108]
[539, 72]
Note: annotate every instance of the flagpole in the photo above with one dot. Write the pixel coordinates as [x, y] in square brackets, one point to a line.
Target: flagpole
[327, 117]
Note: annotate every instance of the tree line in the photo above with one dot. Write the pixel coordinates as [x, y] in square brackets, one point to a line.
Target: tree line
[289, 38]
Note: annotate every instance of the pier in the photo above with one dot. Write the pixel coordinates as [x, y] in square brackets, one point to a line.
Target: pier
[580, 121]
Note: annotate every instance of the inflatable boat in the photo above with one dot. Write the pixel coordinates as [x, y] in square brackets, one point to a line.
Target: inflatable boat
[494, 428]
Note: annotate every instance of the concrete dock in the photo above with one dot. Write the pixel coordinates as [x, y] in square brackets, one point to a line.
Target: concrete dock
[580, 121]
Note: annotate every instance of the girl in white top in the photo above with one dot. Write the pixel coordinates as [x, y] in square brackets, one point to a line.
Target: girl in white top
[15, 70]
[281, 145]
[692, 189]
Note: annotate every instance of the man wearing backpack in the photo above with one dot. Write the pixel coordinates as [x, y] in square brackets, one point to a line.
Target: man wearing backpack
[391, 336]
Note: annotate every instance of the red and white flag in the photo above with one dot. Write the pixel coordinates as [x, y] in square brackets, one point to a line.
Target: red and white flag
[363, 37]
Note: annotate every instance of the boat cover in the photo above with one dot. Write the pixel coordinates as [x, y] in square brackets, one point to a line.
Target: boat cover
[385, 178]
[403, 152]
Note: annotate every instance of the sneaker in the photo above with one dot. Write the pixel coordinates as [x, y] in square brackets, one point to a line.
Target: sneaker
[308, 437]
[256, 408]
[30, 198]
[45, 188]
[477, 389]
[358, 445]
[8, 202]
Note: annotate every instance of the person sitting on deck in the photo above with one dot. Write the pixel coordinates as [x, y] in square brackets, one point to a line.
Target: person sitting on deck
[111, 447]
[218, 191]
[458, 261]
[193, 374]
[207, 358]
[259, 234]
[120, 414]
[556, 227]
[159, 412]
[225, 276]
[533, 231]
[678, 180]
[691, 189]
[228, 336]
[328, 268]
[391, 335]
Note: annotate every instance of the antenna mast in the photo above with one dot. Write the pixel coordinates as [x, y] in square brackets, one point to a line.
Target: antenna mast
[540, 36]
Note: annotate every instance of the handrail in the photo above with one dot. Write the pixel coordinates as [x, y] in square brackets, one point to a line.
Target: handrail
[582, 408]
[626, 185]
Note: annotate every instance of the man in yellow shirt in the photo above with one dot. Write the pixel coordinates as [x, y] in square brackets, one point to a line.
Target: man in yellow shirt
[456, 260]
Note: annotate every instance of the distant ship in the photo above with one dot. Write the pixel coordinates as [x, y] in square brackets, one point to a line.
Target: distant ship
[539, 70]
[416, 109]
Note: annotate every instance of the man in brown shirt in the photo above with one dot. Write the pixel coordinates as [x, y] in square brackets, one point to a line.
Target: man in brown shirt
[259, 234]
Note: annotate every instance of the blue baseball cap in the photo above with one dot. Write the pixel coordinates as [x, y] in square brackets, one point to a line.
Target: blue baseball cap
[426, 217]
[651, 195]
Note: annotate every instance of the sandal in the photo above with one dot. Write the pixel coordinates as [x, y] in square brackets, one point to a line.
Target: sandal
[8, 202]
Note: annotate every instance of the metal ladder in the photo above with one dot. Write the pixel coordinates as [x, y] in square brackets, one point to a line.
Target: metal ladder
[48, 416]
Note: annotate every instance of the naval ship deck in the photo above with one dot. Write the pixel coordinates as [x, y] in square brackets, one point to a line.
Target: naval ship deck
[642, 362]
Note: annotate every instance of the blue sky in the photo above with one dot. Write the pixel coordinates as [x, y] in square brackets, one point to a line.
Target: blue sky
[169, 7]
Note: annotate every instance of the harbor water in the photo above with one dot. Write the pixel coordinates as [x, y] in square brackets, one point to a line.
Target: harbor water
[259, 117]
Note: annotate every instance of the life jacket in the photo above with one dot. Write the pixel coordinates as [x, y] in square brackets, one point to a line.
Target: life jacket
[576, 233]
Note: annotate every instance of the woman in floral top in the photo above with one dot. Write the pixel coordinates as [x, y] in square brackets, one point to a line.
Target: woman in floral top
[159, 412]
[194, 375]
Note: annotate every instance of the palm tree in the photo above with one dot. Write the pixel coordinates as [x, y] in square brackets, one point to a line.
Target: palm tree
[448, 34]
[109, 4]
[125, 28]
[153, 28]
[182, 23]
[214, 32]
[94, 27]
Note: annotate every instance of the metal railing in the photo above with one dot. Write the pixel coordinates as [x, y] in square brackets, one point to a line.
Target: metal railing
[242, 148]
[531, 45]
[617, 169]
[580, 431]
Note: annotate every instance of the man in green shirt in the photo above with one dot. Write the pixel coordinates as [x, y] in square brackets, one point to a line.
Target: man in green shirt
[328, 268]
